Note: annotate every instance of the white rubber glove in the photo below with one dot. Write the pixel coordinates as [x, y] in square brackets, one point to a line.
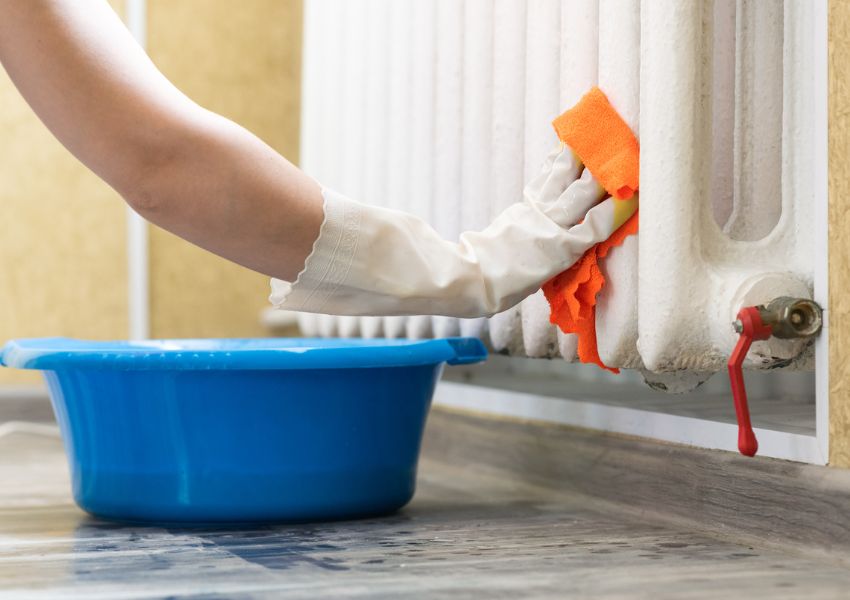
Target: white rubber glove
[370, 260]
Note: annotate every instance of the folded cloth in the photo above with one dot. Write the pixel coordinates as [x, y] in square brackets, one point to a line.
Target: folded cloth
[610, 151]
[370, 260]
[604, 143]
[572, 294]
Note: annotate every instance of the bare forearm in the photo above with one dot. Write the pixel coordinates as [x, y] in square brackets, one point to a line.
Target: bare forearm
[186, 169]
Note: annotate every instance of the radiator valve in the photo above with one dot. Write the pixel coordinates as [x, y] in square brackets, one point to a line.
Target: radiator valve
[789, 318]
[783, 318]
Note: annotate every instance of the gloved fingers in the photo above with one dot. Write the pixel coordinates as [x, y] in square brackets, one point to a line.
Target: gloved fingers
[564, 171]
[560, 169]
[534, 186]
[550, 160]
[579, 197]
[601, 221]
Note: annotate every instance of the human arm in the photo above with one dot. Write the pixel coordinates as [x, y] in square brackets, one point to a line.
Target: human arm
[182, 167]
[213, 183]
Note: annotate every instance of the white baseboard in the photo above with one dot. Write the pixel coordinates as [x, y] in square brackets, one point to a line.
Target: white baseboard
[654, 425]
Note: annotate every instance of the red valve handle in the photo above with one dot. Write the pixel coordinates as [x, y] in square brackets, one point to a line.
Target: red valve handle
[752, 328]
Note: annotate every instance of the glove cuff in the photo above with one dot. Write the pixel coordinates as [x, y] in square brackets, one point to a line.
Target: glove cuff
[329, 261]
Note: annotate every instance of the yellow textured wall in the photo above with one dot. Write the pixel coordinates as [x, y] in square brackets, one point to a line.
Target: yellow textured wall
[240, 59]
[839, 241]
[61, 238]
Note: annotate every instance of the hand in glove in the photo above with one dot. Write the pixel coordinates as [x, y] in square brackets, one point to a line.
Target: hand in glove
[370, 260]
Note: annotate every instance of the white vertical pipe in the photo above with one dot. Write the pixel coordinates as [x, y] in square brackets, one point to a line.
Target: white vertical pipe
[476, 138]
[421, 128]
[448, 105]
[376, 81]
[579, 68]
[311, 74]
[138, 251]
[333, 41]
[398, 117]
[508, 139]
[619, 78]
[542, 98]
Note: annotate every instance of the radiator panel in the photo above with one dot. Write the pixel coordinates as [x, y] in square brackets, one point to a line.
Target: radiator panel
[443, 108]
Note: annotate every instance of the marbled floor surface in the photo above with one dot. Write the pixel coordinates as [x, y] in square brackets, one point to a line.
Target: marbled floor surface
[469, 533]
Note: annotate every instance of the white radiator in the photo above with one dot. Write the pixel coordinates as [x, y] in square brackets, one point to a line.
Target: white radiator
[443, 108]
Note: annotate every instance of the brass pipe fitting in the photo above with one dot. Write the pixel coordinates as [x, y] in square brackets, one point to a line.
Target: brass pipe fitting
[790, 318]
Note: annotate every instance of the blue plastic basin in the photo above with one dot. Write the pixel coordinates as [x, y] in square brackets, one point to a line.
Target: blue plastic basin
[241, 430]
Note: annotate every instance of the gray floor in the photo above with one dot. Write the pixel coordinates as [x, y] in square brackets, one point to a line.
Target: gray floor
[471, 532]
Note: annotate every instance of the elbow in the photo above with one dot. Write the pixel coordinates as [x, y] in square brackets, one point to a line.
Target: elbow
[182, 161]
[142, 175]
[144, 199]
[157, 165]
[145, 177]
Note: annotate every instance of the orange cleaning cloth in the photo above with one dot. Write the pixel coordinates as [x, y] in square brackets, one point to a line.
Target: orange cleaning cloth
[608, 148]
[603, 142]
